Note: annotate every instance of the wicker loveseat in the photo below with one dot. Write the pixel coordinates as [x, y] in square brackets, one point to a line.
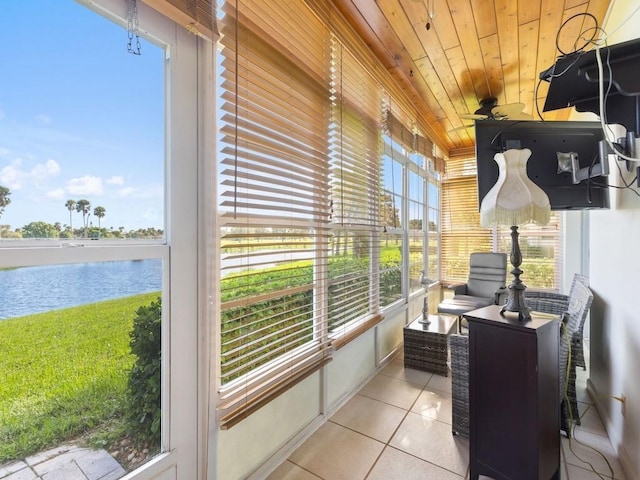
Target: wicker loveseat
[573, 310]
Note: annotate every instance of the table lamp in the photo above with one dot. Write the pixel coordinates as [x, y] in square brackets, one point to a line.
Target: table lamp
[515, 200]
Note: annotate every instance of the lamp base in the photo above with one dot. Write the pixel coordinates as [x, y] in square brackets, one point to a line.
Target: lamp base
[516, 301]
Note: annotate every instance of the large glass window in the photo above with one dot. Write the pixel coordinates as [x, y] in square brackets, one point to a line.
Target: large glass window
[462, 234]
[417, 207]
[273, 209]
[392, 250]
[81, 127]
[312, 242]
[85, 258]
[411, 215]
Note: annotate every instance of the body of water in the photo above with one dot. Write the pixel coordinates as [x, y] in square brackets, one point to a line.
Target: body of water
[28, 290]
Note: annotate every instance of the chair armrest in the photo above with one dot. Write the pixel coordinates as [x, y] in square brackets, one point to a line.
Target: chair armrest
[458, 288]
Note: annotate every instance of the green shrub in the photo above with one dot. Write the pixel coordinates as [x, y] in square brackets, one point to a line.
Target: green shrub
[144, 386]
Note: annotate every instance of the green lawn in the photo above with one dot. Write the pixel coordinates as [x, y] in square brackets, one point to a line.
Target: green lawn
[64, 374]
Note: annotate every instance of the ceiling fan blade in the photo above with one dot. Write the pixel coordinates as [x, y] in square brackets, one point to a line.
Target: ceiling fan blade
[511, 110]
[473, 116]
[521, 116]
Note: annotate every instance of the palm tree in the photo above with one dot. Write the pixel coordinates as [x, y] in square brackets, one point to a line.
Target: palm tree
[71, 206]
[84, 206]
[4, 198]
[99, 212]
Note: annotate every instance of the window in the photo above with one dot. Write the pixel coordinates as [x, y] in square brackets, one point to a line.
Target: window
[433, 226]
[461, 231]
[541, 253]
[274, 208]
[462, 234]
[305, 262]
[416, 227]
[392, 250]
[410, 211]
[355, 196]
[86, 122]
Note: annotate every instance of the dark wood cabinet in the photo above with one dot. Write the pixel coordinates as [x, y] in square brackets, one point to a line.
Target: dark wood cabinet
[514, 398]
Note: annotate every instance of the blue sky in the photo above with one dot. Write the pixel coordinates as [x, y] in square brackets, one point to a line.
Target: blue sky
[80, 117]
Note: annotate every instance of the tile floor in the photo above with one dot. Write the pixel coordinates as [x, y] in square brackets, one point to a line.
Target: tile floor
[398, 426]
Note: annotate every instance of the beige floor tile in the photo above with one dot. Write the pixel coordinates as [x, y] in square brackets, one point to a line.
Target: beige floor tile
[440, 382]
[432, 441]
[592, 449]
[396, 369]
[577, 473]
[334, 452]
[434, 404]
[370, 417]
[392, 390]
[394, 464]
[590, 420]
[290, 471]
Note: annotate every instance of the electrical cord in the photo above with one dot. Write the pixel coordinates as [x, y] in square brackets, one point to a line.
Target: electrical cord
[601, 98]
[572, 436]
[535, 96]
[578, 52]
[586, 43]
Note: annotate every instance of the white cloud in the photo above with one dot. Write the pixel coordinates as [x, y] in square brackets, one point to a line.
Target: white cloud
[12, 175]
[116, 180]
[43, 119]
[125, 192]
[15, 177]
[87, 185]
[43, 171]
[57, 194]
[4, 151]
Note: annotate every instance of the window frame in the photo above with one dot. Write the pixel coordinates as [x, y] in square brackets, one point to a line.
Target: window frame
[460, 188]
[407, 160]
[185, 147]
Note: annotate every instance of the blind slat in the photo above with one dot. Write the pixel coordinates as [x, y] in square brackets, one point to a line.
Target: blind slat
[273, 203]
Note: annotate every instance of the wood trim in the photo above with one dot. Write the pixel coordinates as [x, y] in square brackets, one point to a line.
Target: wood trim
[243, 411]
[342, 340]
[202, 25]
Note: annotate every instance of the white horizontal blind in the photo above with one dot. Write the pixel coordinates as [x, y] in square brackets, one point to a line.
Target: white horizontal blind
[274, 209]
[355, 137]
[461, 231]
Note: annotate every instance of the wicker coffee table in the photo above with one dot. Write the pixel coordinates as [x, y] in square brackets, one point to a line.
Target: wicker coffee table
[425, 345]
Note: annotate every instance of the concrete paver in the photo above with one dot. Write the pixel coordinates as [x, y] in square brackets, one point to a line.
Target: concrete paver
[67, 462]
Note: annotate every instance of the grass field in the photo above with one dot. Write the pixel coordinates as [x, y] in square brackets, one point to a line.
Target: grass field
[64, 375]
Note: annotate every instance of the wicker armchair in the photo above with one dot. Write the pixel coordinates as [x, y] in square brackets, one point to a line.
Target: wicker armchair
[540, 301]
[580, 299]
[577, 343]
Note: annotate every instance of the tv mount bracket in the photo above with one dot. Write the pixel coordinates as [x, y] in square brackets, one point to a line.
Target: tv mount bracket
[569, 161]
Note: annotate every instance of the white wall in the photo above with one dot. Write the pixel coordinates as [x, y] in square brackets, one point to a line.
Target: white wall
[259, 443]
[613, 270]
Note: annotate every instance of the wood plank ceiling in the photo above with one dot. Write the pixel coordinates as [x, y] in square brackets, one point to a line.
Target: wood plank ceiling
[448, 55]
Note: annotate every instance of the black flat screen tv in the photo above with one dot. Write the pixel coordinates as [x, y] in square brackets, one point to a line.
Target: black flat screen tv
[545, 139]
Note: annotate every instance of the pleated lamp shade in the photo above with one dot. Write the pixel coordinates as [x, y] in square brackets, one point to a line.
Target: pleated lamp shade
[515, 199]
